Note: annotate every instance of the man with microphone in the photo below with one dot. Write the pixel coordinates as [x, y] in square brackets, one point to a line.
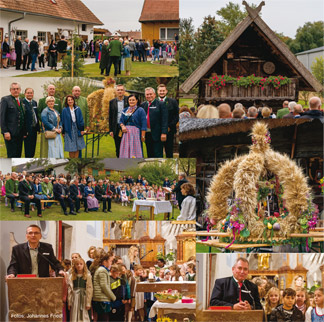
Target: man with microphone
[236, 291]
[33, 257]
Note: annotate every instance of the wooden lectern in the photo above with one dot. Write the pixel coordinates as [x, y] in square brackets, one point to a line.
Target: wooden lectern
[35, 299]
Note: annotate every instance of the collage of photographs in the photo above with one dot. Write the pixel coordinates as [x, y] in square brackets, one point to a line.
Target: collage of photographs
[162, 161]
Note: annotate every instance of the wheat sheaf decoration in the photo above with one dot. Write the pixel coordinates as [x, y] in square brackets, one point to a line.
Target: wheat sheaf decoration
[243, 175]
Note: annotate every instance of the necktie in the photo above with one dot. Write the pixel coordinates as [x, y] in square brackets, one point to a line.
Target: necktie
[240, 287]
[148, 116]
[18, 101]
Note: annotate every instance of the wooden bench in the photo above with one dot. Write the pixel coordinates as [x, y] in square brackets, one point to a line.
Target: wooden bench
[42, 202]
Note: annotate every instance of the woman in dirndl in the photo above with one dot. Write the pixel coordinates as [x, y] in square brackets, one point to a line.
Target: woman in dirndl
[92, 201]
[133, 124]
[73, 127]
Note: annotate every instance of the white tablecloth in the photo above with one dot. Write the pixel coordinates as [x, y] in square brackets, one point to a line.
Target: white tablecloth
[160, 207]
[170, 308]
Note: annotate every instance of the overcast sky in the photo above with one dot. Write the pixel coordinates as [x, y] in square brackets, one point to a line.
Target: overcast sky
[117, 14]
[280, 15]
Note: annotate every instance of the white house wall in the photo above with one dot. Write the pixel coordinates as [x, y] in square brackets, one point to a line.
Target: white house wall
[5, 165]
[308, 58]
[33, 24]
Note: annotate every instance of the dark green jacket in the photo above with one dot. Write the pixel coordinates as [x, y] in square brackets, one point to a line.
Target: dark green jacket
[11, 186]
[115, 48]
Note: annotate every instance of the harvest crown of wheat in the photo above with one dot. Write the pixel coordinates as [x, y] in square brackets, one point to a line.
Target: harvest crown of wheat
[253, 179]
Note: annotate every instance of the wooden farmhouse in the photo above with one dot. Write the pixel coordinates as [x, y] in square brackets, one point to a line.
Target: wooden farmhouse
[160, 20]
[251, 48]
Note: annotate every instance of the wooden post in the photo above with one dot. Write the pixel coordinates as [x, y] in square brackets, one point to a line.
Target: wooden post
[72, 57]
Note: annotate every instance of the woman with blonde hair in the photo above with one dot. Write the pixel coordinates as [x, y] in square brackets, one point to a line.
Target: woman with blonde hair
[208, 112]
[52, 126]
[132, 258]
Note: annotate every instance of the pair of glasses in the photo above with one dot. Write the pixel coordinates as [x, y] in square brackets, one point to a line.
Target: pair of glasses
[33, 233]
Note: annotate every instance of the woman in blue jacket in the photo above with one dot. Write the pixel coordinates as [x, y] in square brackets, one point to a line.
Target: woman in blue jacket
[73, 128]
[51, 122]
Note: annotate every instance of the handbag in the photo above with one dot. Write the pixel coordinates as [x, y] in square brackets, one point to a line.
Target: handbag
[8, 55]
[120, 133]
[51, 134]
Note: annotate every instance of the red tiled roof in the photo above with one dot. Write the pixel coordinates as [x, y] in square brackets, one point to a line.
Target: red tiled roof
[66, 9]
[160, 10]
[136, 34]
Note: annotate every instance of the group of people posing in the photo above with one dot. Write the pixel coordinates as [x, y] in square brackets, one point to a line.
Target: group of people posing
[22, 119]
[102, 288]
[130, 123]
[293, 304]
[153, 122]
[290, 110]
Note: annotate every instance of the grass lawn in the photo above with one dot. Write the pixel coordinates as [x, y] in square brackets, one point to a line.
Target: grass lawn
[206, 249]
[186, 101]
[56, 213]
[106, 148]
[138, 70]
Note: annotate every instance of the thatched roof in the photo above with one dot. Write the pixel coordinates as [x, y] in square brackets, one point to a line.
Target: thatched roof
[270, 38]
[194, 128]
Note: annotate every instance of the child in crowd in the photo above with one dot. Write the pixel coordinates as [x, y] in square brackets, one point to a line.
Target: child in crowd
[191, 272]
[123, 196]
[118, 288]
[139, 296]
[287, 311]
[79, 291]
[302, 300]
[316, 313]
[175, 273]
[272, 300]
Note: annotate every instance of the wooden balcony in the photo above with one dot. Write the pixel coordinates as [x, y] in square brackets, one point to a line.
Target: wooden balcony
[231, 92]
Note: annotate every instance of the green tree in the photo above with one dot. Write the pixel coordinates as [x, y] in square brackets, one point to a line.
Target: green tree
[154, 172]
[230, 15]
[308, 37]
[78, 64]
[64, 85]
[188, 166]
[318, 69]
[76, 166]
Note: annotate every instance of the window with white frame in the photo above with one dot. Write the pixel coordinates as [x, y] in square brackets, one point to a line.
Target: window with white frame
[22, 33]
[41, 36]
[168, 33]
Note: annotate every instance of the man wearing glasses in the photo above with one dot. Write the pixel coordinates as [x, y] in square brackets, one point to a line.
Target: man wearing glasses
[33, 257]
[13, 121]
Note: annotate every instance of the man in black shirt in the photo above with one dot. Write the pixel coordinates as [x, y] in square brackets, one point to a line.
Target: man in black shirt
[61, 48]
[33, 52]
[18, 50]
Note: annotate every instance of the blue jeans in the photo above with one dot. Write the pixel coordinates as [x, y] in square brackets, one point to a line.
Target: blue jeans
[156, 54]
[97, 56]
[34, 57]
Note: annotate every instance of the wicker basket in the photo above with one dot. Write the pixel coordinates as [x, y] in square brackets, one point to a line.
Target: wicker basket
[168, 300]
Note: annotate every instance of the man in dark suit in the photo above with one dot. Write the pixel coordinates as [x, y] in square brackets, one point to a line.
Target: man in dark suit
[157, 124]
[33, 52]
[76, 195]
[12, 120]
[100, 194]
[61, 194]
[32, 123]
[177, 188]
[236, 291]
[33, 257]
[27, 195]
[18, 50]
[173, 118]
[116, 107]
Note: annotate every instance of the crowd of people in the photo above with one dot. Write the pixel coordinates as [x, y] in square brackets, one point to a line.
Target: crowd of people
[103, 288]
[291, 110]
[130, 123]
[30, 190]
[294, 303]
[117, 51]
